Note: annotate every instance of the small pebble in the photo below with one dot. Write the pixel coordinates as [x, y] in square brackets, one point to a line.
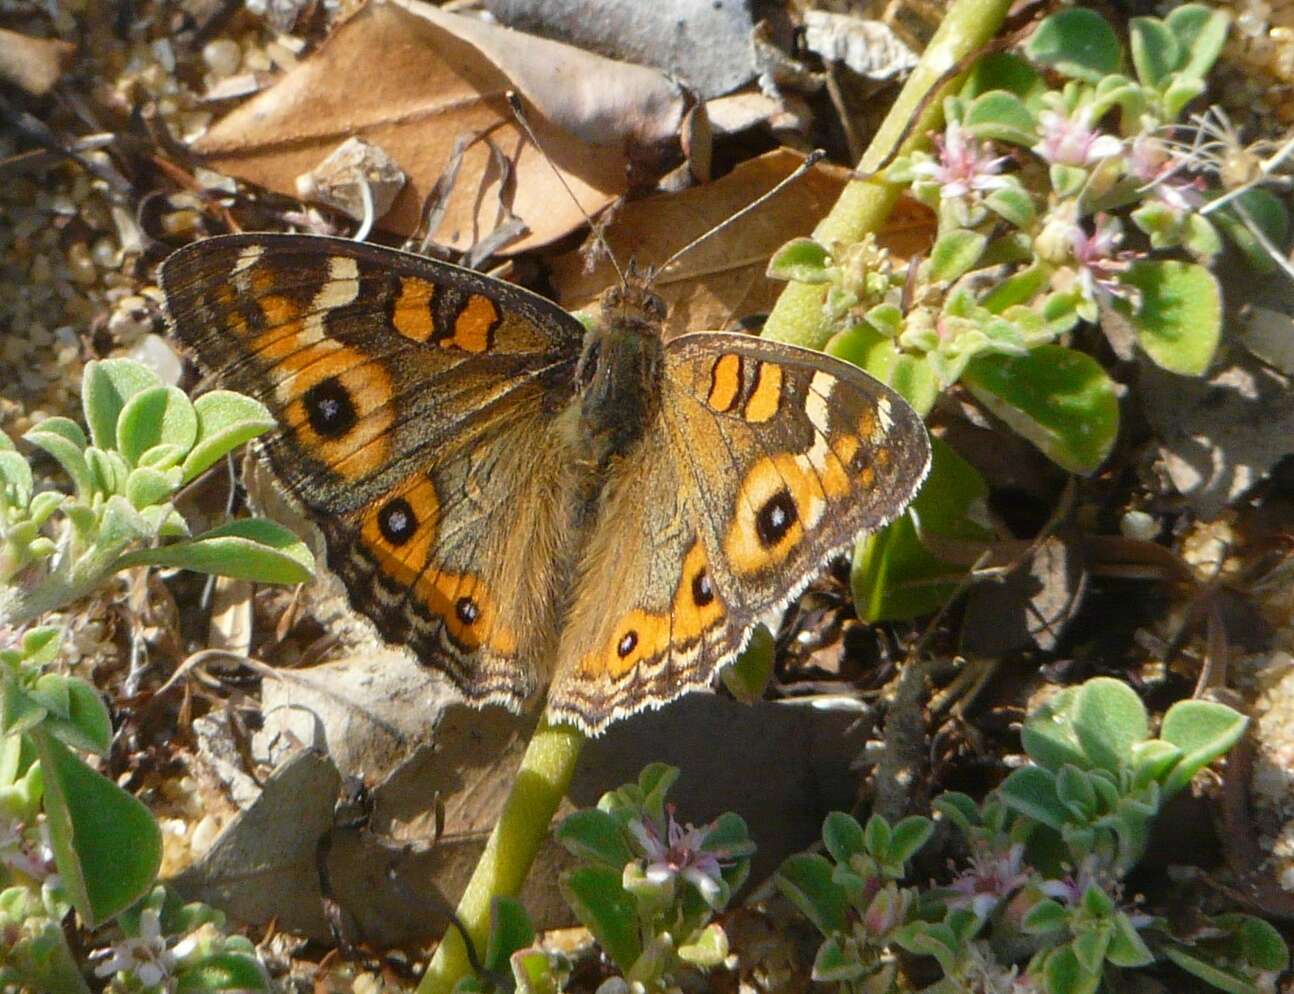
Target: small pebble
[222, 56]
[80, 265]
[1139, 525]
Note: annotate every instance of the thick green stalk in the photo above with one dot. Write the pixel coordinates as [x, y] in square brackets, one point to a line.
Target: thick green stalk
[541, 783]
[865, 204]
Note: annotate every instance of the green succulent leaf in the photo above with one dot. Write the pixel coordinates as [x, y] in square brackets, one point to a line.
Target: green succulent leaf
[800, 259]
[836, 962]
[510, 931]
[106, 844]
[805, 880]
[222, 971]
[1004, 71]
[870, 350]
[1223, 979]
[708, 950]
[748, 676]
[606, 909]
[908, 837]
[1179, 321]
[146, 486]
[1076, 42]
[593, 835]
[1063, 974]
[1061, 400]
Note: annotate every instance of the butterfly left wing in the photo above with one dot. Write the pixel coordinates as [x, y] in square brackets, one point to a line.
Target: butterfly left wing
[418, 408]
[765, 461]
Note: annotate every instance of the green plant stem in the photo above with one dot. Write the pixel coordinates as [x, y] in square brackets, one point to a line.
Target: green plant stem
[865, 204]
[541, 783]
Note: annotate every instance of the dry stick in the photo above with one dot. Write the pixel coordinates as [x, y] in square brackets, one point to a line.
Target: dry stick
[864, 205]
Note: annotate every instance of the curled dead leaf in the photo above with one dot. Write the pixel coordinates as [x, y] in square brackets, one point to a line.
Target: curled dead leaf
[416, 81]
[723, 280]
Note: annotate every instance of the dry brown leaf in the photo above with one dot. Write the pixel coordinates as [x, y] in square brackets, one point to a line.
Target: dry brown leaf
[33, 64]
[722, 280]
[419, 83]
[231, 616]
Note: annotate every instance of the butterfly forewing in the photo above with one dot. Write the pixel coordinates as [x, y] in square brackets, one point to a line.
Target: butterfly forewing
[406, 391]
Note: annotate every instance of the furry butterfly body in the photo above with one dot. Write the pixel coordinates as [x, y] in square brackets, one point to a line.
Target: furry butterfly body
[525, 504]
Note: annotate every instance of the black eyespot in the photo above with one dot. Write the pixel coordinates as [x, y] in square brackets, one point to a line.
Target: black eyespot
[329, 408]
[776, 517]
[397, 522]
[627, 644]
[702, 591]
[467, 610]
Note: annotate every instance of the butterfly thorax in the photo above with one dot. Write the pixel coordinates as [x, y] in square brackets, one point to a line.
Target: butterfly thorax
[618, 376]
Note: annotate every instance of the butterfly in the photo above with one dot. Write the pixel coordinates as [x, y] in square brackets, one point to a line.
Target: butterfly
[525, 503]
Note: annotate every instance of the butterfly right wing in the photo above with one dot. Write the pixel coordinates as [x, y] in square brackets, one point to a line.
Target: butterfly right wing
[418, 409]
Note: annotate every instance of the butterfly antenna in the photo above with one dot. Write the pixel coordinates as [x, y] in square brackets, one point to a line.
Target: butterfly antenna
[519, 112]
[812, 159]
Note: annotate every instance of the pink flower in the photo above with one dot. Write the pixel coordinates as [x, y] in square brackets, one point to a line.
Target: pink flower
[680, 855]
[1152, 163]
[964, 166]
[148, 956]
[1071, 141]
[990, 878]
[1101, 262]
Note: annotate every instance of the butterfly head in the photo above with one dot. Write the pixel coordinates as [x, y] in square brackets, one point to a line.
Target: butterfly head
[632, 306]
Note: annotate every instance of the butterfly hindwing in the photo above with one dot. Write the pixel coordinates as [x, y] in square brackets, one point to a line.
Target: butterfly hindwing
[764, 461]
[405, 390]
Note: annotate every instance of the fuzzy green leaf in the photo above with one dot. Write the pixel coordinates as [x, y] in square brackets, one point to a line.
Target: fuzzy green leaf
[1063, 974]
[1004, 71]
[1155, 51]
[956, 253]
[106, 386]
[1223, 980]
[225, 421]
[908, 837]
[1203, 731]
[1045, 916]
[1001, 116]
[835, 963]
[146, 486]
[1108, 720]
[1200, 32]
[157, 416]
[1061, 400]
[1127, 948]
[63, 439]
[1031, 791]
[247, 549]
